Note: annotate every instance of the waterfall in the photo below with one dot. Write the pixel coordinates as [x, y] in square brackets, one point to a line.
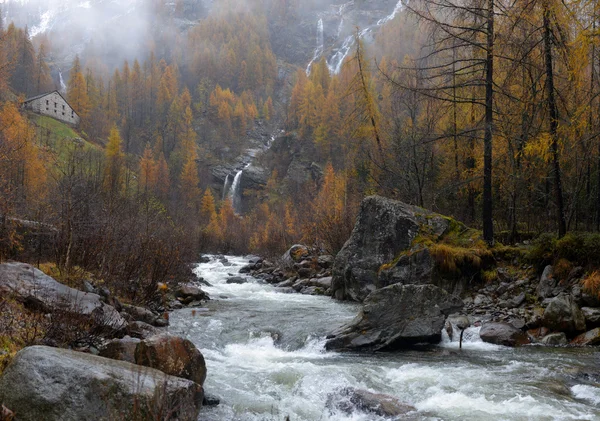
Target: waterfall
[235, 192]
[388, 18]
[320, 45]
[63, 87]
[225, 187]
[336, 62]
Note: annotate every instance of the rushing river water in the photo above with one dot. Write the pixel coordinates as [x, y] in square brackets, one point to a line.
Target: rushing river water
[259, 378]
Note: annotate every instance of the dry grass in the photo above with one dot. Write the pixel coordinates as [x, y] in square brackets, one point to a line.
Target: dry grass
[591, 283]
[453, 259]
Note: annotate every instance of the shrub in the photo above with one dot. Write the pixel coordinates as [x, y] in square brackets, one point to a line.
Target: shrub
[591, 283]
[581, 249]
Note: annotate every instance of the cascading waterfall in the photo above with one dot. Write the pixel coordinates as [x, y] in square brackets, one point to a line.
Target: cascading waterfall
[235, 192]
[337, 60]
[225, 186]
[63, 87]
[320, 45]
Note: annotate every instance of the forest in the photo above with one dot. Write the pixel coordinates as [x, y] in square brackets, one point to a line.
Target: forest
[484, 110]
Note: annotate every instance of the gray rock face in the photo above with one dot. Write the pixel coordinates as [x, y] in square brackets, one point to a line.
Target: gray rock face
[397, 316]
[592, 316]
[501, 333]
[53, 384]
[547, 283]
[350, 400]
[371, 258]
[37, 289]
[564, 315]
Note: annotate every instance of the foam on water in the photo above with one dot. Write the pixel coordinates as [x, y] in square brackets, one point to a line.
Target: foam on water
[587, 393]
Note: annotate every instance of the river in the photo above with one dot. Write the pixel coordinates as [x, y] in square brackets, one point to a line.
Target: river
[258, 377]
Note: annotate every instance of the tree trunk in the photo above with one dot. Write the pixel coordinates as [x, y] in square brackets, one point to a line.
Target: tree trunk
[553, 114]
[488, 220]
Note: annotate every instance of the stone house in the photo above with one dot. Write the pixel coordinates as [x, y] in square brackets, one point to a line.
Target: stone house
[54, 105]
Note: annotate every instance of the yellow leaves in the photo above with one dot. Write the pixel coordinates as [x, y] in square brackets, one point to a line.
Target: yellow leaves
[21, 161]
[538, 148]
[113, 172]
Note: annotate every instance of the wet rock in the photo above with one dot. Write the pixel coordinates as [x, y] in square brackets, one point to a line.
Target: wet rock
[189, 293]
[589, 338]
[501, 333]
[563, 315]
[326, 261]
[210, 400]
[247, 269]
[173, 355]
[547, 283]
[295, 254]
[538, 333]
[53, 384]
[324, 283]
[306, 272]
[349, 400]
[397, 316]
[288, 283]
[555, 339]
[121, 349]
[592, 316]
[142, 330]
[140, 314]
[236, 280]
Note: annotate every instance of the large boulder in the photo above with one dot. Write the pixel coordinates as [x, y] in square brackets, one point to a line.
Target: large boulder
[564, 315]
[501, 333]
[380, 250]
[547, 283]
[38, 290]
[295, 254]
[52, 384]
[189, 293]
[172, 355]
[397, 316]
[349, 400]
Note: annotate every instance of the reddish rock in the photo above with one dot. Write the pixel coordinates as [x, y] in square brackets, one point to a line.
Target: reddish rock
[172, 355]
[591, 337]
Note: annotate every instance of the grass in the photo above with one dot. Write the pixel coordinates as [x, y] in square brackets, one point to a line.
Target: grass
[458, 251]
[60, 138]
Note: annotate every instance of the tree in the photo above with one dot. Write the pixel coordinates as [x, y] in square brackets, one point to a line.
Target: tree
[77, 93]
[113, 172]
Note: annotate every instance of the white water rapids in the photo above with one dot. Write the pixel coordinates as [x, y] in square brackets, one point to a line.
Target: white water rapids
[258, 378]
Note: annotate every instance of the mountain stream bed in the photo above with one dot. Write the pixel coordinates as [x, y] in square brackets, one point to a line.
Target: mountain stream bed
[265, 356]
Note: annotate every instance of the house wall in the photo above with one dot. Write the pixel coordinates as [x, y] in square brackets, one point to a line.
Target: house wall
[55, 106]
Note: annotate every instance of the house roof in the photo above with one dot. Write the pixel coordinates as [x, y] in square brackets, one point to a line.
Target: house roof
[33, 98]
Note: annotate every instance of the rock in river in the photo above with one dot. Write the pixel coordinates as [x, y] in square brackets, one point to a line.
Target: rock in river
[501, 333]
[397, 316]
[564, 315]
[51, 384]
